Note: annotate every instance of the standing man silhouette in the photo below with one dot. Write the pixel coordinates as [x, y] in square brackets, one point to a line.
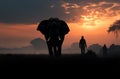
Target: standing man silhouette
[104, 50]
[82, 45]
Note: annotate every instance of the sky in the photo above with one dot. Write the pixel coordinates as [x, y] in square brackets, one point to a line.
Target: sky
[91, 18]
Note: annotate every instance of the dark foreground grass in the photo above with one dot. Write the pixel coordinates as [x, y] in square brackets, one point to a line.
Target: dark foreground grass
[64, 59]
[66, 62]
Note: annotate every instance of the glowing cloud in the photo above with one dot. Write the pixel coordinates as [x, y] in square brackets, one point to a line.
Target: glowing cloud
[67, 6]
[52, 6]
[106, 8]
[95, 15]
[67, 12]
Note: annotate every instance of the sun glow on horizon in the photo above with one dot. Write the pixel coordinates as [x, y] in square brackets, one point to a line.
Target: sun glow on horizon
[91, 22]
[97, 15]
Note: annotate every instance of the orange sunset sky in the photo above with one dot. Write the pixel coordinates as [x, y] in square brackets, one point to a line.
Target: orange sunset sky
[91, 19]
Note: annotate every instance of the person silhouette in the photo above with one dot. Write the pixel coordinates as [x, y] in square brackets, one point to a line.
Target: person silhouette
[82, 45]
[54, 31]
[104, 50]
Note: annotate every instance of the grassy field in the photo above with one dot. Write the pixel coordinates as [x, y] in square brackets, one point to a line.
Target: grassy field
[68, 62]
[64, 59]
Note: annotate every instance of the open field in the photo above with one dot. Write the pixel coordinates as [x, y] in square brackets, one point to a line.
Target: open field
[64, 59]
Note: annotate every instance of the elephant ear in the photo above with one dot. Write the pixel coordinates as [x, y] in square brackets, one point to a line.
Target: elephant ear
[42, 27]
[64, 27]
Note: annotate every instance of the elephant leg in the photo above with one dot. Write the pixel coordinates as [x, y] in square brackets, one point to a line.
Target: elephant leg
[62, 39]
[59, 48]
[60, 45]
[50, 49]
[55, 50]
[49, 46]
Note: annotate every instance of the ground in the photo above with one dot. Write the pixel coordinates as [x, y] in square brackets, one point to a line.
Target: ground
[82, 63]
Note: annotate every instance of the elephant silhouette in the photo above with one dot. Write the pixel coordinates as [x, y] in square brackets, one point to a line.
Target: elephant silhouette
[54, 31]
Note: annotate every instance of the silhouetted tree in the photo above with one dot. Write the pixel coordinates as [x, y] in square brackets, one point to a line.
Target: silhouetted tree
[38, 43]
[115, 27]
[54, 31]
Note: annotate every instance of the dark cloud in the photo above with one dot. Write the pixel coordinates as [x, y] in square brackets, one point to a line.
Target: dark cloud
[107, 5]
[29, 11]
[116, 8]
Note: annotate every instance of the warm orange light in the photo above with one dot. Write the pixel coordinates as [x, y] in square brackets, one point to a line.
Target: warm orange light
[91, 22]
